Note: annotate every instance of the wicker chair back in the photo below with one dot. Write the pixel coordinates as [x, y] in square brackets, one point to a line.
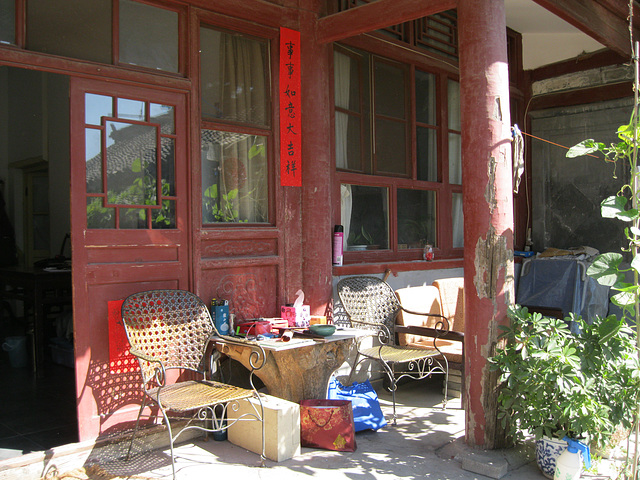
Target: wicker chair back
[172, 326]
[370, 303]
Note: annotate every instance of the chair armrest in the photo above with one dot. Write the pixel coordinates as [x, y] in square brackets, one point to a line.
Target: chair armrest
[442, 323]
[159, 371]
[431, 332]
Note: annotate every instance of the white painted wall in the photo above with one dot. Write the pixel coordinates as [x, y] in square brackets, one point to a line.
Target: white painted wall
[544, 48]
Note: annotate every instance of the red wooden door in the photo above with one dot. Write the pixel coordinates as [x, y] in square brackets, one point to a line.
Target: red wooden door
[129, 223]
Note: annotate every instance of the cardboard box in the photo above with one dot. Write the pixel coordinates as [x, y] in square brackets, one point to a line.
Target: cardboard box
[318, 320]
[296, 316]
[281, 428]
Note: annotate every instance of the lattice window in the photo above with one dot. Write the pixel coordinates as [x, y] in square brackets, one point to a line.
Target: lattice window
[436, 33]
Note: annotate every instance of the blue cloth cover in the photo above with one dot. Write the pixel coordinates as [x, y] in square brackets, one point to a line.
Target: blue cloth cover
[364, 400]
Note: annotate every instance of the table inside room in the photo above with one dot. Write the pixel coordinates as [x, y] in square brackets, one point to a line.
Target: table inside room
[41, 291]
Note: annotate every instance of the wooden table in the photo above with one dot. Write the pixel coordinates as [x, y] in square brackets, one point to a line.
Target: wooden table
[299, 369]
[38, 289]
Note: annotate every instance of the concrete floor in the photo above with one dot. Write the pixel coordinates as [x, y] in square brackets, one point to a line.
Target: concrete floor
[426, 443]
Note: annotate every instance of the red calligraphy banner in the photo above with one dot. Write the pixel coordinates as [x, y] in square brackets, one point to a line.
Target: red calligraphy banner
[290, 109]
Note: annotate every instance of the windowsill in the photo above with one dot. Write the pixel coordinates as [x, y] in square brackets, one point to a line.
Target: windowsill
[405, 266]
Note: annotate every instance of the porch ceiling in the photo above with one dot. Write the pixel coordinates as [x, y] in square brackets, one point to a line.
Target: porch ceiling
[552, 30]
[547, 38]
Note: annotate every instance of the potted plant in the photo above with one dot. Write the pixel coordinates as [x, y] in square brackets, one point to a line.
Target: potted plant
[361, 240]
[556, 383]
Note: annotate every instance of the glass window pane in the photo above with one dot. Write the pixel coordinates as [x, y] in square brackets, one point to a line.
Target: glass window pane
[167, 155]
[347, 82]
[133, 218]
[131, 109]
[148, 36]
[96, 107]
[391, 144]
[457, 220]
[234, 77]
[416, 215]
[164, 115]
[455, 159]
[7, 21]
[365, 217]
[131, 164]
[165, 217]
[93, 159]
[389, 90]
[72, 28]
[453, 96]
[348, 138]
[425, 98]
[99, 216]
[235, 185]
[427, 152]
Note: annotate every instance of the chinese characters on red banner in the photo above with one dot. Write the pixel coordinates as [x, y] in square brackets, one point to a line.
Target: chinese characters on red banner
[290, 109]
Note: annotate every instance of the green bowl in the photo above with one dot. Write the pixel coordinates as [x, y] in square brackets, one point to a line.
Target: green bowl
[322, 329]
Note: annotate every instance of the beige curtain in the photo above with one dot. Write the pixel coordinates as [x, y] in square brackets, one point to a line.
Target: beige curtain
[244, 176]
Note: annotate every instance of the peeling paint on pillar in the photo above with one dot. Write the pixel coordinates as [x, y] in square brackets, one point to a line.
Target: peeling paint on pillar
[492, 256]
[493, 268]
[490, 192]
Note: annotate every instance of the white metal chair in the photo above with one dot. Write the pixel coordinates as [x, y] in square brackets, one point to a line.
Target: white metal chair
[372, 304]
[170, 330]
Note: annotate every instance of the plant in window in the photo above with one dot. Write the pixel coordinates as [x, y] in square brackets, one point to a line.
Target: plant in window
[415, 233]
[223, 208]
[99, 216]
[147, 186]
[142, 190]
[360, 238]
[237, 195]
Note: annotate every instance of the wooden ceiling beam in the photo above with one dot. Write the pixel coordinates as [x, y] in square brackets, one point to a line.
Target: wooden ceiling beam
[595, 20]
[621, 8]
[376, 15]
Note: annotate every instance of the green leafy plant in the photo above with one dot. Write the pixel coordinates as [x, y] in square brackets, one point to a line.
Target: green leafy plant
[223, 208]
[220, 203]
[610, 269]
[142, 190]
[360, 238]
[558, 383]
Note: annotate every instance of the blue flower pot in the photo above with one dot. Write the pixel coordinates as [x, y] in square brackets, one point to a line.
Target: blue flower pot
[547, 452]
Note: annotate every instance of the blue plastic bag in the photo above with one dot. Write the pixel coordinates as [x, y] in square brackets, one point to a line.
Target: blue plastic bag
[367, 414]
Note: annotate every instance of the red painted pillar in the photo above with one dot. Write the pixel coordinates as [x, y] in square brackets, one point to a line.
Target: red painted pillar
[487, 199]
[317, 172]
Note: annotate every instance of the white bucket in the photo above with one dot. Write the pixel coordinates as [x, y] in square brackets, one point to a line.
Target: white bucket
[16, 347]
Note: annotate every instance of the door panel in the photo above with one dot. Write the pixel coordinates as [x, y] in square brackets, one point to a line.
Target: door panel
[129, 227]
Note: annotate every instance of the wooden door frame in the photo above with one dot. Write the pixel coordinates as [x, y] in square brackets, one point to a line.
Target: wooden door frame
[110, 264]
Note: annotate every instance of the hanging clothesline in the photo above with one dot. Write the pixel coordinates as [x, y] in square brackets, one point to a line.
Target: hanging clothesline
[553, 143]
[517, 151]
